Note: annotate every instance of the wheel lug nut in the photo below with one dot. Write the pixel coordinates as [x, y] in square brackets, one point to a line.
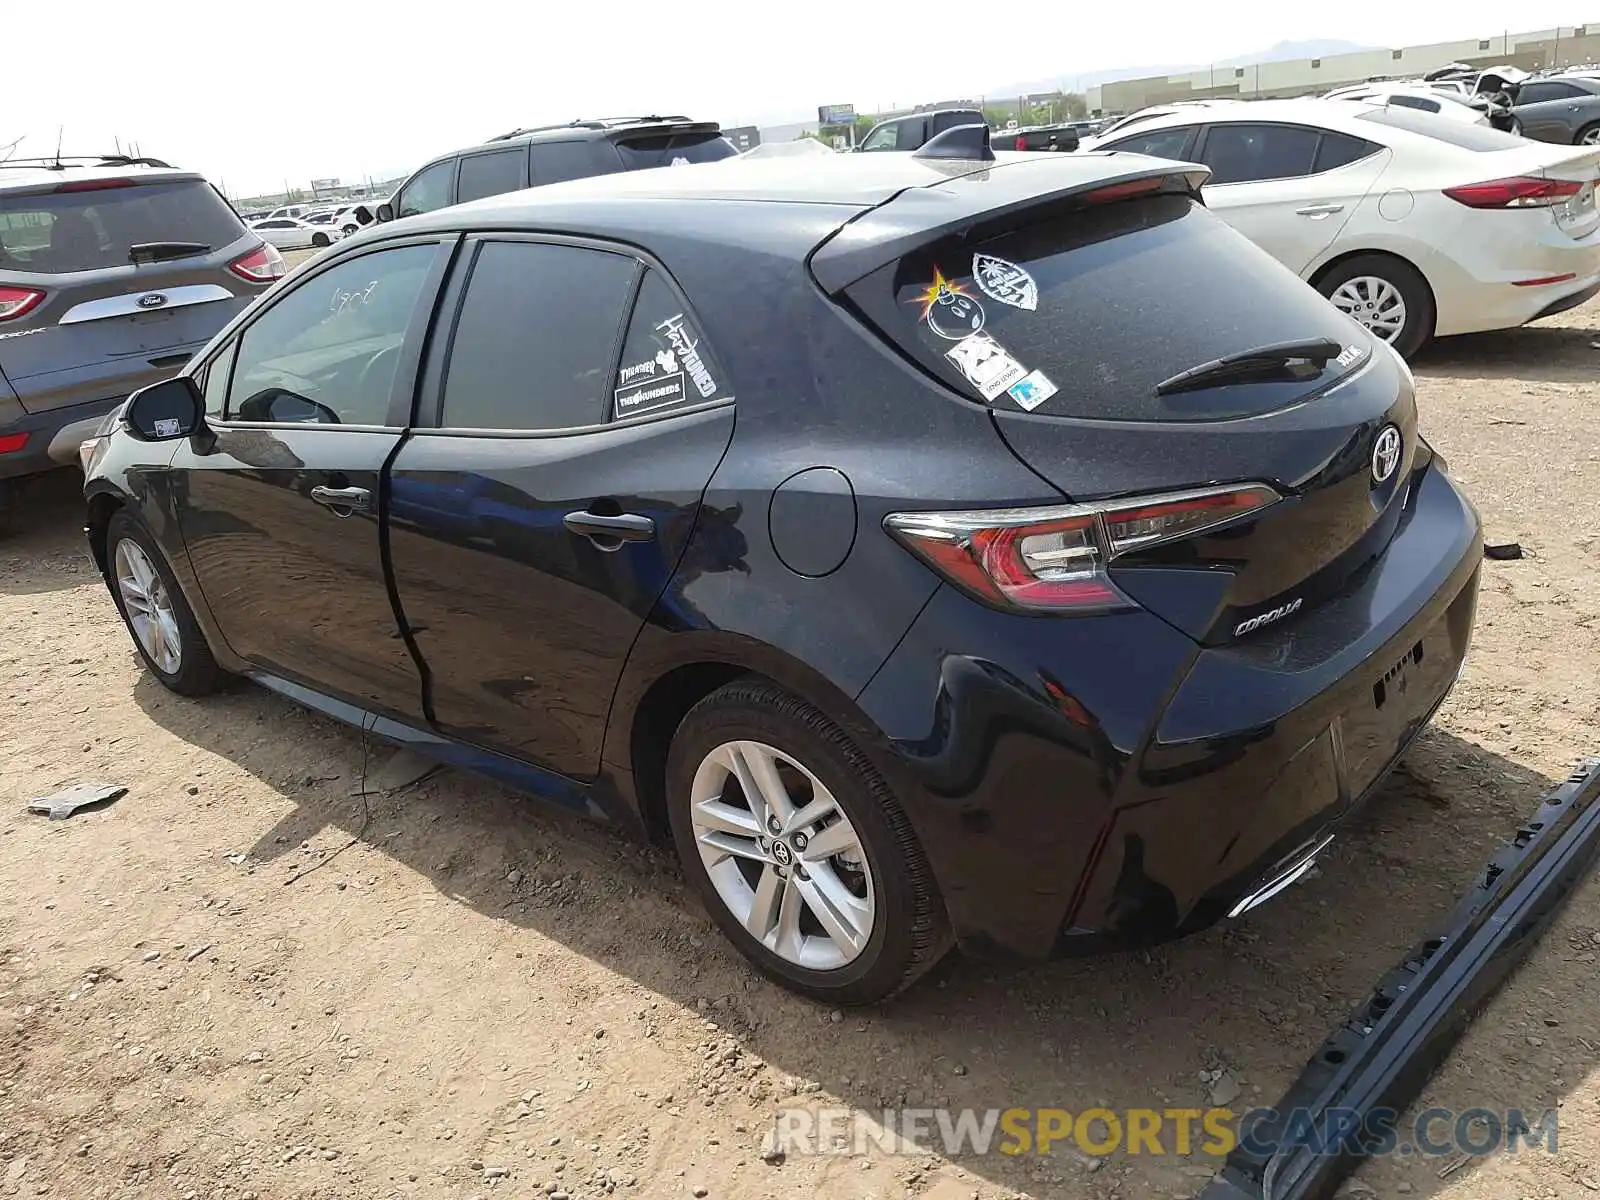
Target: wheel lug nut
[800, 872]
[800, 840]
[774, 825]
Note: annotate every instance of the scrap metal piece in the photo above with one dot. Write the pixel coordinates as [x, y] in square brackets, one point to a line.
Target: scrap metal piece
[61, 805]
[1383, 1055]
[1506, 552]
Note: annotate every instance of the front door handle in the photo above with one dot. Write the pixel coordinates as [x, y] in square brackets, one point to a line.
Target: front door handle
[610, 532]
[1317, 211]
[351, 498]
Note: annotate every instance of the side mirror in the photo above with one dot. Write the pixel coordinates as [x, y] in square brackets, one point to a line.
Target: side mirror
[164, 411]
[385, 212]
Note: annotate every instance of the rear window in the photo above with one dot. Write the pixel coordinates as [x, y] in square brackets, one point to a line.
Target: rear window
[86, 231]
[1456, 133]
[1084, 314]
[677, 150]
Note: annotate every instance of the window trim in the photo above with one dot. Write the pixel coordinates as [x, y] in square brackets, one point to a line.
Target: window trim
[436, 369]
[402, 393]
[1320, 130]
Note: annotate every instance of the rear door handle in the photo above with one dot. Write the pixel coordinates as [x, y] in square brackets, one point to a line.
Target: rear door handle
[1315, 211]
[609, 532]
[352, 498]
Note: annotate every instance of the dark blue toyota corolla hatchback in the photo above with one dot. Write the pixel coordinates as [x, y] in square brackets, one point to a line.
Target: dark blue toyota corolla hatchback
[992, 552]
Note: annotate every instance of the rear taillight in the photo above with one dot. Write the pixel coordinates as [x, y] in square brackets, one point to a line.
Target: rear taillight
[261, 265]
[1523, 191]
[1055, 559]
[18, 302]
[10, 443]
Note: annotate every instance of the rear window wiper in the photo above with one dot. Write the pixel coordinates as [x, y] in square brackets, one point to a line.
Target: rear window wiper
[149, 252]
[1264, 362]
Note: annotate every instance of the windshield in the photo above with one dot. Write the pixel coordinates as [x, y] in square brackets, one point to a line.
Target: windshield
[1083, 315]
[677, 150]
[86, 231]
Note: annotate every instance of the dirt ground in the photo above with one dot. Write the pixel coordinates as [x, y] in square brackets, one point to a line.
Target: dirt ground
[242, 981]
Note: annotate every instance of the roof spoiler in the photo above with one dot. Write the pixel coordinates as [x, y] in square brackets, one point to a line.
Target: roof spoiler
[919, 215]
[968, 142]
[59, 162]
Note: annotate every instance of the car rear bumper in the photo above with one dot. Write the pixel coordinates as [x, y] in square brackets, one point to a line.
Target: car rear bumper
[1085, 784]
[50, 437]
[1475, 302]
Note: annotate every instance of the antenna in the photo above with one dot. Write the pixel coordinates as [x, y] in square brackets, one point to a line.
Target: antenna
[61, 133]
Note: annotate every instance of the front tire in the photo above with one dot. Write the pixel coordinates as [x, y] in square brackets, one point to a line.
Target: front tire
[153, 608]
[319, 241]
[1385, 294]
[799, 849]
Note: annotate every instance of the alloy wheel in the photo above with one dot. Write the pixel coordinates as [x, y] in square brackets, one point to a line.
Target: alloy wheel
[1374, 302]
[1591, 137]
[149, 607]
[782, 855]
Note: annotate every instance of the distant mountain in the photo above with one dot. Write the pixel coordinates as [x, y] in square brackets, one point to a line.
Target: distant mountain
[1078, 80]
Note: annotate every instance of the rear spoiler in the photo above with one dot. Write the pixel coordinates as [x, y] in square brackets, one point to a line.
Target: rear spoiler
[963, 193]
[1381, 1057]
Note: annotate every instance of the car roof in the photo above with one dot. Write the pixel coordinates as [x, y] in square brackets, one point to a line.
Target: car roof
[33, 177]
[1330, 114]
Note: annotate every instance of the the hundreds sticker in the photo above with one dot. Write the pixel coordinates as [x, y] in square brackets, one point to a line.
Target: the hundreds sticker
[688, 356]
[652, 393]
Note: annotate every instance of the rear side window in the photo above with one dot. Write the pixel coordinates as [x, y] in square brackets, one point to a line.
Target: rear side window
[428, 191]
[91, 230]
[1482, 138]
[556, 162]
[677, 150]
[537, 337]
[1247, 153]
[492, 174]
[1340, 150]
[1083, 315]
[1158, 143]
[665, 361]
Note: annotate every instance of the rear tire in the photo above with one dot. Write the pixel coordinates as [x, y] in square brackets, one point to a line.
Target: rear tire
[1379, 289]
[882, 924]
[319, 240]
[153, 608]
[1589, 135]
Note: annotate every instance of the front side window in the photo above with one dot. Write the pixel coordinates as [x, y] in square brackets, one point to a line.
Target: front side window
[1248, 153]
[666, 363]
[535, 342]
[492, 174]
[1158, 143]
[327, 352]
[428, 191]
[1538, 93]
[884, 137]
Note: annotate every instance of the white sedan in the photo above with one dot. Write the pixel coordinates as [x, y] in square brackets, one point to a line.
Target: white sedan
[1415, 225]
[289, 233]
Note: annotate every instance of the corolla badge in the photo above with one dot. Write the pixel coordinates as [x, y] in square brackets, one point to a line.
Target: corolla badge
[152, 300]
[1386, 454]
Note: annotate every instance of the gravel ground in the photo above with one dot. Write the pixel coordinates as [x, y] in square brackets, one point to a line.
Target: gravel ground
[241, 980]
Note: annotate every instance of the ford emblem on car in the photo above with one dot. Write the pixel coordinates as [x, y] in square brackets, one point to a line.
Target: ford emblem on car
[1385, 454]
[152, 300]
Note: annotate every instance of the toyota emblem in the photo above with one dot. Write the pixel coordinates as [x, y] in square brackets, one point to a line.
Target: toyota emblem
[152, 300]
[1386, 454]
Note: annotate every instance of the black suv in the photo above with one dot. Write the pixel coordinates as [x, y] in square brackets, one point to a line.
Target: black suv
[113, 271]
[554, 153]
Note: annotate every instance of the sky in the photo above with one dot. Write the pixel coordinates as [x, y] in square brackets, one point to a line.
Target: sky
[254, 95]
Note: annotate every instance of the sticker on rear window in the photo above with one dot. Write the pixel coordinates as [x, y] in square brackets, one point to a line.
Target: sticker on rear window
[684, 347]
[949, 310]
[1032, 390]
[665, 362]
[985, 364]
[651, 394]
[1004, 281]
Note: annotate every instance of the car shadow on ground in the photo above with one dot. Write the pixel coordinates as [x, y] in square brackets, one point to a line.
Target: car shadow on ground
[1532, 353]
[41, 536]
[1133, 1030]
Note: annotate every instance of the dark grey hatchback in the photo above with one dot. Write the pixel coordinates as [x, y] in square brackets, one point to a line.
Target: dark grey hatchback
[998, 552]
[113, 272]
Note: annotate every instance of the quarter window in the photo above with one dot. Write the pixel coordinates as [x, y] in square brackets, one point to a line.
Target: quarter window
[665, 362]
[327, 352]
[1247, 153]
[216, 384]
[492, 174]
[1340, 150]
[537, 337]
[428, 191]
